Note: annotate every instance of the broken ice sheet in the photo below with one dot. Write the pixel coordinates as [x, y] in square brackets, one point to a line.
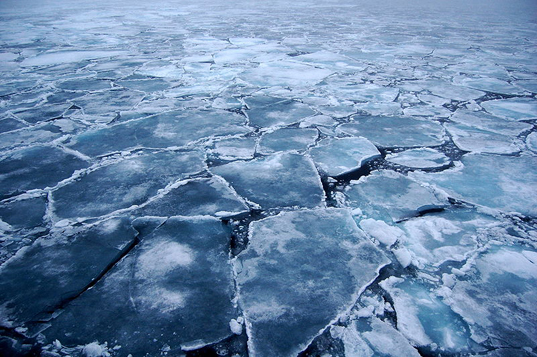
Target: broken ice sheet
[61, 57]
[496, 181]
[235, 148]
[373, 337]
[36, 168]
[339, 156]
[425, 319]
[125, 183]
[285, 74]
[395, 131]
[174, 289]
[24, 213]
[287, 139]
[513, 108]
[277, 112]
[491, 123]
[422, 158]
[392, 197]
[468, 138]
[207, 196]
[498, 298]
[300, 271]
[279, 180]
[170, 129]
[40, 278]
[449, 235]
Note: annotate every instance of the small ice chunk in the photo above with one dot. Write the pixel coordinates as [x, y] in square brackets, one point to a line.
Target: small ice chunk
[403, 256]
[36, 167]
[531, 142]
[421, 158]
[93, 349]
[381, 231]
[498, 298]
[336, 156]
[235, 326]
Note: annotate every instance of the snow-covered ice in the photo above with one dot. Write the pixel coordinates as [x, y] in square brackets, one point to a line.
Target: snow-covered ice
[268, 178]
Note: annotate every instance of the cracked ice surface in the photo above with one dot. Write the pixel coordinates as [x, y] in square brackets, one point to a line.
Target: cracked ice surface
[313, 178]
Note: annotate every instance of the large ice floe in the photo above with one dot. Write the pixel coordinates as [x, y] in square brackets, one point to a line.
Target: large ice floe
[268, 178]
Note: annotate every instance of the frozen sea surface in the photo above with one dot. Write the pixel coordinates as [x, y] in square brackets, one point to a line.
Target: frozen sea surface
[247, 178]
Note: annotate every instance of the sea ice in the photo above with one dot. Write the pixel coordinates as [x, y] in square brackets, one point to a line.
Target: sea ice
[284, 73]
[40, 278]
[422, 158]
[424, 319]
[495, 181]
[335, 157]
[395, 131]
[235, 148]
[170, 129]
[175, 289]
[513, 108]
[389, 196]
[279, 180]
[497, 298]
[36, 168]
[451, 235]
[124, 184]
[287, 139]
[468, 138]
[490, 123]
[61, 57]
[206, 196]
[279, 113]
[300, 271]
[373, 337]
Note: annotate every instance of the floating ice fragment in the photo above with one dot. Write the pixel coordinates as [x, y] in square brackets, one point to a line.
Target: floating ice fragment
[36, 167]
[287, 139]
[479, 141]
[61, 57]
[496, 181]
[390, 196]
[162, 292]
[395, 131]
[424, 319]
[284, 73]
[513, 108]
[123, 184]
[421, 158]
[498, 298]
[337, 157]
[210, 196]
[280, 113]
[41, 277]
[300, 271]
[280, 180]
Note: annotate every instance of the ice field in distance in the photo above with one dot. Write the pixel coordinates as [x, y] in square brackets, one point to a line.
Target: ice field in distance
[248, 178]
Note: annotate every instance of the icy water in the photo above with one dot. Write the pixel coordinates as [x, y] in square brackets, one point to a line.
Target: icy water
[311, 178]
